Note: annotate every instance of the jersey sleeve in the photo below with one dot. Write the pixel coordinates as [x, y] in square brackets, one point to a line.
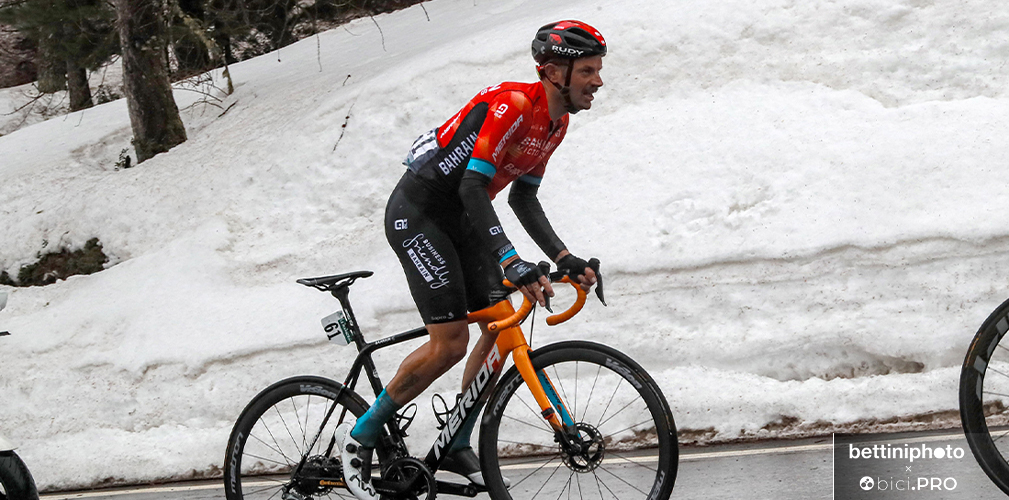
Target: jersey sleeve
[509, 116]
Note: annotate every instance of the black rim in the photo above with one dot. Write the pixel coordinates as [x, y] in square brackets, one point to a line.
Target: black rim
[984, 397]
[628, 445]
[276, 433]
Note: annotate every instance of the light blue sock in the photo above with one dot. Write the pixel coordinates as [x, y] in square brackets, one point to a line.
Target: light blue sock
[369, 426]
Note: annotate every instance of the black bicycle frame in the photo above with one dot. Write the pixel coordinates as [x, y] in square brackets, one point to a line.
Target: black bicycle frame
[479, 389]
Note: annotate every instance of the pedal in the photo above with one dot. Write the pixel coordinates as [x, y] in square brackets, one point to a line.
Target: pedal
[405, 417]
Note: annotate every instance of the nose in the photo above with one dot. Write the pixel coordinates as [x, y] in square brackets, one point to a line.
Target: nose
[597, 81]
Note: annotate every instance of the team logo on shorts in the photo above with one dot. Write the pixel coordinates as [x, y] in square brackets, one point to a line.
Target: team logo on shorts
[429, 263]
[400, 224]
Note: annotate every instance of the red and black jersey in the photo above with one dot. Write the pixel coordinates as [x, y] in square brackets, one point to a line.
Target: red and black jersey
[505, 133]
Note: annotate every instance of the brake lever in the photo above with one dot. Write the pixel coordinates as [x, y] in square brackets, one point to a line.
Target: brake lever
[594, 266]
[545, 271]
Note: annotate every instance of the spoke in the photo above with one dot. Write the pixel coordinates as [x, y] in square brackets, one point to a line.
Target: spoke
[639, 464]
[547, 481]
[610, 401]
[649, 421]
[990, 369]
[269, 447]
[1004, 434]
[1003, 347]
[308, 413]
[618, 412]
[574, 407]
[563, 392]
[531, 410]
[288, 429]
[622, 480]
[997, 394]
[244, 493]
[567, 487]
[274, 438]
[523, 422]
[535, 471]
[600, 482]
[536, 460]
[297, 417]
[599, 368]
[268, 459]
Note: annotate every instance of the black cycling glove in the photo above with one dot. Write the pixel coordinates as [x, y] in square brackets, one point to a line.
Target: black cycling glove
[521, 273]
[572, 266]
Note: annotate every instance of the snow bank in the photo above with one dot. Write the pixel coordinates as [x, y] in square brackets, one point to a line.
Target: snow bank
[794, 201]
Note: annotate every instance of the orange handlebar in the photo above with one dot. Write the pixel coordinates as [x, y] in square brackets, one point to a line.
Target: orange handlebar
[561, 317]
[527, 307]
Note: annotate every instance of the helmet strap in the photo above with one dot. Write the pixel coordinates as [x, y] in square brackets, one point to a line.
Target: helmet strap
[565, 89]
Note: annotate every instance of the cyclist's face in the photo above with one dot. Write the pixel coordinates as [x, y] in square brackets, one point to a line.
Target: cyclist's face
[585, 80]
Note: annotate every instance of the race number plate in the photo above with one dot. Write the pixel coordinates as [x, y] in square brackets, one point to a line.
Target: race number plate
[337, 328]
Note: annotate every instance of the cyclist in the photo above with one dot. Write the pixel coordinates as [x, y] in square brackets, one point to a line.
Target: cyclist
[441, 224]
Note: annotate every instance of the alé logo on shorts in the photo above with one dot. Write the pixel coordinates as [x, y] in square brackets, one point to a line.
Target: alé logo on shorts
[467, 401]
[496, 230]
[400, 224]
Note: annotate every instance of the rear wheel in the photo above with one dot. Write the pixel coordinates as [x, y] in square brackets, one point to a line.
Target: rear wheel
[282, 426]
[16, 483]
[626, 446]
[984, 397]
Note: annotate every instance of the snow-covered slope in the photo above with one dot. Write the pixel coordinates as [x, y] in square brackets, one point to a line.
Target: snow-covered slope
[796, 204]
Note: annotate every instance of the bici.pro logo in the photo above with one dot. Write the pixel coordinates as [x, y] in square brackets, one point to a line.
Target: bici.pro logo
[871, 469]
[867, 483]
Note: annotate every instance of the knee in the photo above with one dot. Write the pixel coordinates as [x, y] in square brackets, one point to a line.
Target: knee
[448, 342]
[450, 352]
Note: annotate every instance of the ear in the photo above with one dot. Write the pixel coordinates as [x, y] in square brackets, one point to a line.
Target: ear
[553, 73]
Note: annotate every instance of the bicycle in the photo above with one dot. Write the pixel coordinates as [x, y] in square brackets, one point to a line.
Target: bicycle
[282, 445]
[983, 399]
[16, 482]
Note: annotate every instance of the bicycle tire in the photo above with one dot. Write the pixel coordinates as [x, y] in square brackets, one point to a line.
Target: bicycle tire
[983, 400]
[275, 430]
[505, 432]
[16, 481]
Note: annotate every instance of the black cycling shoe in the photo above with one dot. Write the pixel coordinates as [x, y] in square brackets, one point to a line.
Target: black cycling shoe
[465, 463]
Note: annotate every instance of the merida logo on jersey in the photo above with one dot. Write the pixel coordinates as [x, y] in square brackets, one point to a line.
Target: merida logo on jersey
[508, 135]
[458, 155]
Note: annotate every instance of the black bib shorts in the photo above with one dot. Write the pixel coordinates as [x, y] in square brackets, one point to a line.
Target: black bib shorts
[448, 269]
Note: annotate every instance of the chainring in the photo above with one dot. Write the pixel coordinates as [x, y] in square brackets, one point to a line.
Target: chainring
[412, 478]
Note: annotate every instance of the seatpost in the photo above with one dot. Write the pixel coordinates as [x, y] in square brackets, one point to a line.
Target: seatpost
[343, 295]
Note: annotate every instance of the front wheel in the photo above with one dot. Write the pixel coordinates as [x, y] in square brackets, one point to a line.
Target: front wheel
[628, 448]
[291, 423]
[984, 397]
[16, 483]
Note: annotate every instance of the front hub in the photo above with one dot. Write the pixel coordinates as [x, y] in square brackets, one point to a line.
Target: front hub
[586, 452]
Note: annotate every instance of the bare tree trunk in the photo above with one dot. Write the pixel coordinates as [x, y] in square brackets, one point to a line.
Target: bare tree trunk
[77, 85]
[154, 115]
[51, 70]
